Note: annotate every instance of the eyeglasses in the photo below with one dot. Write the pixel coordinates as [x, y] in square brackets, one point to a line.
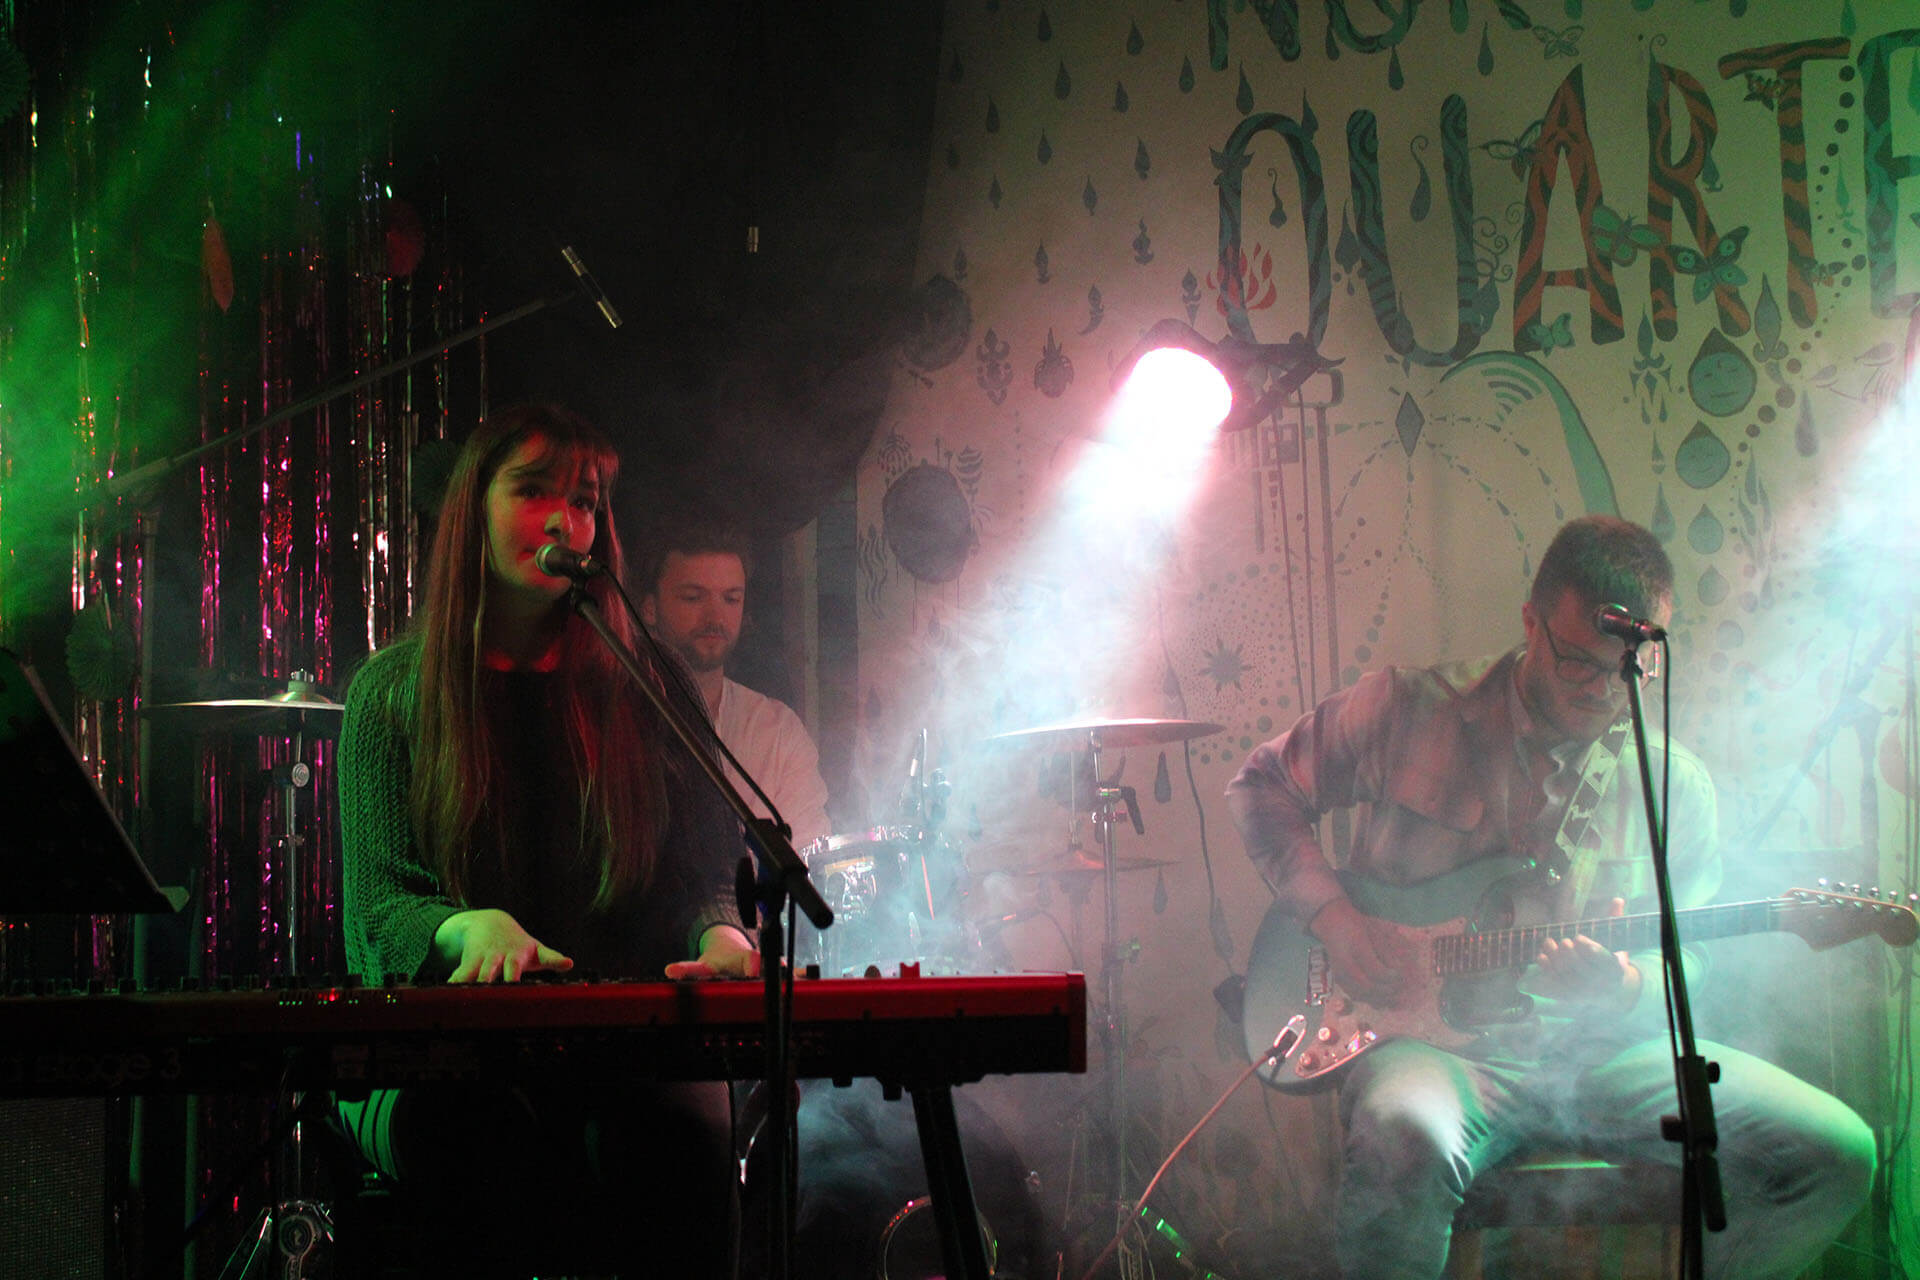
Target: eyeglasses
[1579, 671]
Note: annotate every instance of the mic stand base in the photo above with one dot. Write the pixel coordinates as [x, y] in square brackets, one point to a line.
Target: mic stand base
[281, 1242]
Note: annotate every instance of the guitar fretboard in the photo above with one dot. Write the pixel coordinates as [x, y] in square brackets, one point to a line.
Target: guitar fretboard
[1492, 949]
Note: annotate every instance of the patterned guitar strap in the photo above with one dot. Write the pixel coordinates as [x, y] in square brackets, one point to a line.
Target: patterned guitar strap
[1577, 840]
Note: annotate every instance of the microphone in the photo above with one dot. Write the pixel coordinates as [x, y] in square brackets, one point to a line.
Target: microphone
[557, 561]
[913, 795]
[592, 286]
[1614, 620]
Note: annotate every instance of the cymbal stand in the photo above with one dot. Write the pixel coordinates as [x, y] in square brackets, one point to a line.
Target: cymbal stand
[1107, 801]
[283, 1234]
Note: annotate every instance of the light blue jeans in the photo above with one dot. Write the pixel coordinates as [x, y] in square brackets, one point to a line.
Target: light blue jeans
[1796, 1163]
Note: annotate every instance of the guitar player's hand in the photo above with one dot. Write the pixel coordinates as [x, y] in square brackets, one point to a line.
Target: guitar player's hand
[1580, 970]
[1371, 960]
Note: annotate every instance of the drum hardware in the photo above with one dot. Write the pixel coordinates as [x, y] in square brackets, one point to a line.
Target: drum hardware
[923, 801]
[296, 1230]
[293, 712]
[920, 1260]
[295, 1227]
[1076, 864]
[858, 874]
[924, 807]
[913, 798]
[1100, 735]
[894, 887]
[892, 891]
[300, 704]
[1106, 802]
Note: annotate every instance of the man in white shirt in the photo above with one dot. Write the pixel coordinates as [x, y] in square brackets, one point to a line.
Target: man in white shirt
[695, 598]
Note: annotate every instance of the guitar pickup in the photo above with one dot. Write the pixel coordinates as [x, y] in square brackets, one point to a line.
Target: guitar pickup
[1319, 979]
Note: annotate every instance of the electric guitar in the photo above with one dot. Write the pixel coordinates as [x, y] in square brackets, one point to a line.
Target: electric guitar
[1461, 928]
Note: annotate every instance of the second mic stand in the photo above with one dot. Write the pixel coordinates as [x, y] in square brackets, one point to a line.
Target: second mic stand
[782, 878]
[1694, 1128]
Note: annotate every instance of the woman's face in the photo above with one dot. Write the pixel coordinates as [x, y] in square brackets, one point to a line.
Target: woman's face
[539, 495]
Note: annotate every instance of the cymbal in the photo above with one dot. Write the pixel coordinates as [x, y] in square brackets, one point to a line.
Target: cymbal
[1076, 862]
[299, 704]
[1102, 734]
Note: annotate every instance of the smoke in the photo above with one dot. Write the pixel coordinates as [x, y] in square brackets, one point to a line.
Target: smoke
[861, 1170]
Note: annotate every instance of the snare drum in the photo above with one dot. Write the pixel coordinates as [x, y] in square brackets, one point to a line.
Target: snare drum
[862, 876]
[856, 857]
[892, 894]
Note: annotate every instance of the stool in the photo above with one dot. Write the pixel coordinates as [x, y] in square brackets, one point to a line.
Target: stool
[1568, 1215]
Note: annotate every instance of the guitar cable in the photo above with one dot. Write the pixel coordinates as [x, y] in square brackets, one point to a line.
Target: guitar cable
[1283, 1044]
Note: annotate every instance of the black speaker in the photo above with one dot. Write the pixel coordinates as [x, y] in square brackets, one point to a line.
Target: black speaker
[54, 1206]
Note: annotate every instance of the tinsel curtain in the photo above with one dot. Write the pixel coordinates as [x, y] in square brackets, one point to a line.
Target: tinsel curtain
[190, 240]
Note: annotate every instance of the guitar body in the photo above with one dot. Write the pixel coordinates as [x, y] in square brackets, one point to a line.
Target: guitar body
[1289, 973]
[1466, 932]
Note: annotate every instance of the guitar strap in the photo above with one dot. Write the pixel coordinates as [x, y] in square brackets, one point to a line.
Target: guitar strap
[1579, 837]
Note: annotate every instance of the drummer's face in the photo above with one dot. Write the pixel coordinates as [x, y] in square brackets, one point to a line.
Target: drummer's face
[697, 605]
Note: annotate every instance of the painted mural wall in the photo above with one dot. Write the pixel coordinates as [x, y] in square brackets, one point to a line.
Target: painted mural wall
[1657, 258]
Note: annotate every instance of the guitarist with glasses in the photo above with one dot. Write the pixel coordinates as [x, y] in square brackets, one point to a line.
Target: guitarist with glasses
[1505, 791]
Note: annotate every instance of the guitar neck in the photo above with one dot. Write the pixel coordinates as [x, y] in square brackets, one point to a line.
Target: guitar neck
[1511, 948]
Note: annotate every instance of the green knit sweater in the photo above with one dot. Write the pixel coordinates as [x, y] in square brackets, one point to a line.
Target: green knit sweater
[528, 858]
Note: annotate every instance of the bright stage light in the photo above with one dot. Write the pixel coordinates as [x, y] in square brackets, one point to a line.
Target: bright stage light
[1247, 380]
[1172, 390]
[1076, 625]
[1174, 393]
[1159, 430]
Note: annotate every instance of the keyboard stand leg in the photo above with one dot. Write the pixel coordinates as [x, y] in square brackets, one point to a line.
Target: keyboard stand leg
[961, 1245]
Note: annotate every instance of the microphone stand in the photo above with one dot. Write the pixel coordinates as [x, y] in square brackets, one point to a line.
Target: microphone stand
[141, 478]
[782, 879]
[1693, 1128]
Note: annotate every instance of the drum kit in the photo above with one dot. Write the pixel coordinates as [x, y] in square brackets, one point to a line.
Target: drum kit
[899, 892]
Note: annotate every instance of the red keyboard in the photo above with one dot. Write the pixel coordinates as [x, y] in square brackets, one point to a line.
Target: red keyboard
[908, 1030]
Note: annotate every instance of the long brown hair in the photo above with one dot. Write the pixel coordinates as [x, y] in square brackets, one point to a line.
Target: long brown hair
[623, 797]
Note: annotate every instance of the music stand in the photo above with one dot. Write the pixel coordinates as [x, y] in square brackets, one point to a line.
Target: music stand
[61, 849]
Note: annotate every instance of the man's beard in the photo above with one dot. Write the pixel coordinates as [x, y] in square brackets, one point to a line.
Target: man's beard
[698, 661]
